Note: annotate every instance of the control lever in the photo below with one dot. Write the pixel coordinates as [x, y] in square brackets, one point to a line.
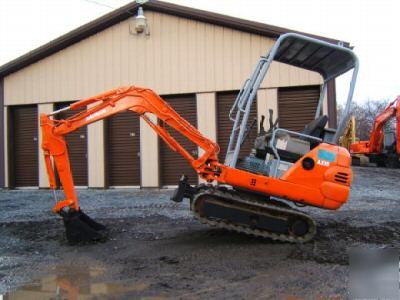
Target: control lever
[272, 125]
[262, 129]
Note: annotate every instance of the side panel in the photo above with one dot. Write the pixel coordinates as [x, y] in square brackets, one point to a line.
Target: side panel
[23, 146]
[123, 150]
[173, 165]
[224, 124]
[77, 148]
[297, 106]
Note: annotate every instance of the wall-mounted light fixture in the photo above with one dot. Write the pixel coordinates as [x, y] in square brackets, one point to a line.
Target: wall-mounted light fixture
[139, 24]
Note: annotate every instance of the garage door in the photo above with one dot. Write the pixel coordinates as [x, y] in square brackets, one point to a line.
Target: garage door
[297, 106]
[224, 124]
[77, 148]
[172, 164]
[123, 150]
[23, 147]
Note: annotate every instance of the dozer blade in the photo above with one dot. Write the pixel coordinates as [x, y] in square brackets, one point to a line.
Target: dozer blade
[81, 229]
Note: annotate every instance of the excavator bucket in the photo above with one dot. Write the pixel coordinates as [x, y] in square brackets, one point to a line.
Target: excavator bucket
[81, 229]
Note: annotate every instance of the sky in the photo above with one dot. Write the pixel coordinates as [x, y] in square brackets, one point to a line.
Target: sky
[371, 26]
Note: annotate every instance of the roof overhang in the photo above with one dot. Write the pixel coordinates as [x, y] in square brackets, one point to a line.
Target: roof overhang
[129, 10]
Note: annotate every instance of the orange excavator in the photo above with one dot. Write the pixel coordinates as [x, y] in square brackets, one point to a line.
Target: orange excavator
[256, 194]
[383, 147]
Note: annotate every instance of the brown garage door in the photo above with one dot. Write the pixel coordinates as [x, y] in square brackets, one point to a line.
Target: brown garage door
[172, 164]
[297, 106]
[123, 150]
[224, 124]
[77, 147]
[23, 148]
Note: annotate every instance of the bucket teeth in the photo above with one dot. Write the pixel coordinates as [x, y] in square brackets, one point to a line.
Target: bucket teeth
[81, 229]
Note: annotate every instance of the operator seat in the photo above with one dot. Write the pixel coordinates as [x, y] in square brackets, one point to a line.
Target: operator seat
[316, 127]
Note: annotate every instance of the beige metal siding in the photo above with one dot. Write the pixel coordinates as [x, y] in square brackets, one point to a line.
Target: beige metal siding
[179, 56]
[149, 154]
[43, 178]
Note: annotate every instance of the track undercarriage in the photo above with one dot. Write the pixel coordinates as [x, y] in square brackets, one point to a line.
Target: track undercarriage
[247, 213]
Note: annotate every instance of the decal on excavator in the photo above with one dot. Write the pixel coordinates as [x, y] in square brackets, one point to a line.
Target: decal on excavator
[323, 163]
[328, 156]
[96, 114]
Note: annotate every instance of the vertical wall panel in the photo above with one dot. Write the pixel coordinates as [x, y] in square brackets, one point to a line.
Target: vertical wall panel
[43, 178]
[96, 154]
[123, 149]
[172, 164]
[149, 158]
[23, 146]
[5, 147]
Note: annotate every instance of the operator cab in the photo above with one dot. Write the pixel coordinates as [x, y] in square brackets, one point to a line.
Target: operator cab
[277, 149]
[292, 148]
[289, 148]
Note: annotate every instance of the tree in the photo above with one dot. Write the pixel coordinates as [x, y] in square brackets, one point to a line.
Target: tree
[365, 114]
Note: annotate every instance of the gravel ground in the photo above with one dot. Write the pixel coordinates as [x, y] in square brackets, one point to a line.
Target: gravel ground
[156, 250]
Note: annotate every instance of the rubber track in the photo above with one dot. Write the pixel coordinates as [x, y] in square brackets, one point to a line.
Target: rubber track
[238, 197]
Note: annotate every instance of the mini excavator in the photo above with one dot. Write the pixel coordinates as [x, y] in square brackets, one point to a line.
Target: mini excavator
[383, 147]
[259, 194]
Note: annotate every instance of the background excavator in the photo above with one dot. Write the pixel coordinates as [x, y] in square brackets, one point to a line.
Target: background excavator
[255, 194]
[349, 134]
[348, 138]
[383, 146]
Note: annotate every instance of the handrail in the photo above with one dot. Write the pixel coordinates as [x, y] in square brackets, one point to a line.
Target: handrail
[275, 150]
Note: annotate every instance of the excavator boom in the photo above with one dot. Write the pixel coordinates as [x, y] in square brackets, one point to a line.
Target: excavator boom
[255, 193]
[374, 147]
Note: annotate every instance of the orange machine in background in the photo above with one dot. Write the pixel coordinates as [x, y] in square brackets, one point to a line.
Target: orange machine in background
[256, 193]
[383, 147]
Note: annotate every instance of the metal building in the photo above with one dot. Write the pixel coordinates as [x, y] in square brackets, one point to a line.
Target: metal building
[196, 60]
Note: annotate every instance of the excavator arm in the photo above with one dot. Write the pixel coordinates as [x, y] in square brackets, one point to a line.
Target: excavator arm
[139, 100]
[375, 142]
[376, 138]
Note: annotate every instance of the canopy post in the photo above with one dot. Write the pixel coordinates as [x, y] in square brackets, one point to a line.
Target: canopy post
[346, 112]
[321, 100]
